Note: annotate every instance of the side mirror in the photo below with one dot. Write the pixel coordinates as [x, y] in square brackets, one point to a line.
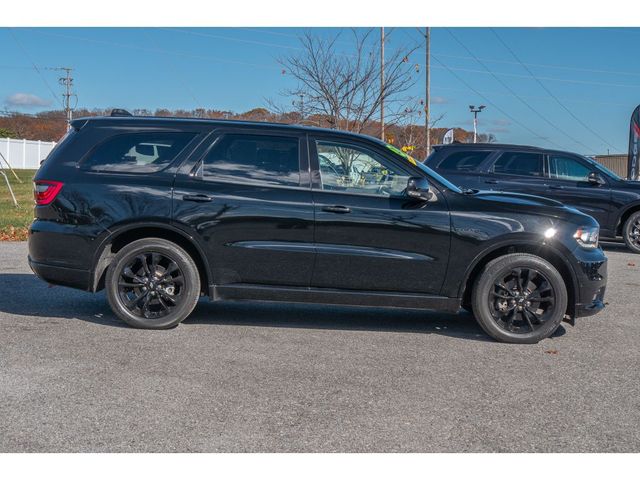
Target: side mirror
[594, 178]
[418, 188]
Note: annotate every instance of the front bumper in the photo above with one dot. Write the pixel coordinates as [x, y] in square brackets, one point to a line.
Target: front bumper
[591, 273]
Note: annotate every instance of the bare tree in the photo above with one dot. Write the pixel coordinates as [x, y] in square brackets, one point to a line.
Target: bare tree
[343, 88]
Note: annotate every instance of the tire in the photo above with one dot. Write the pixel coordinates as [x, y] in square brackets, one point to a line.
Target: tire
[138, 294]
[513, 314]
[631, 232]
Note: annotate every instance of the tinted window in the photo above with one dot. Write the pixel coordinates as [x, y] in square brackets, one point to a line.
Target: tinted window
[515, 163]
[137, 152]
[464, 161]
[566, 168]
[349, 168]
[254, 158]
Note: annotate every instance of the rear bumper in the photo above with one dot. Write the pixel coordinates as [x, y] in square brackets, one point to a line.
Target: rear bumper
[69, 277]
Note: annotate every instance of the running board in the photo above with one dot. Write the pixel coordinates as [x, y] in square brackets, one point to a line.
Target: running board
[331, 296]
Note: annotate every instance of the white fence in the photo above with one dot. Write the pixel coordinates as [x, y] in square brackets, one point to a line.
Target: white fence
[24, 153]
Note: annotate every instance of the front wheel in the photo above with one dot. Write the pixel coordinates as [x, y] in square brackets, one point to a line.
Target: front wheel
[631, 232]
[519, 298]
[152, 283]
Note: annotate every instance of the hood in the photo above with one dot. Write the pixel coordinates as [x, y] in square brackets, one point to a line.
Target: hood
[633, 185]
[516, 199]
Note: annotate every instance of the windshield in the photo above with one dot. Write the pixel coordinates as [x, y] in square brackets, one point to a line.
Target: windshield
[430, 173]
[603, 169]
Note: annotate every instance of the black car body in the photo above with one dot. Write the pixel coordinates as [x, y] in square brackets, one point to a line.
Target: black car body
[247, 207]
[572, 179]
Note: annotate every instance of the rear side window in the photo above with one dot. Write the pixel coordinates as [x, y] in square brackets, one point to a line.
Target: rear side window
[261, 159]
[464, 161]
[519, 163]
[137, 152]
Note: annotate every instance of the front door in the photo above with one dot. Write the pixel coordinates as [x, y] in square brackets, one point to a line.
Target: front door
[568, 182]
[248, 201]
[369, 235]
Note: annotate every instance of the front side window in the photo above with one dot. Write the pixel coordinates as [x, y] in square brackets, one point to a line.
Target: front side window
[349, 168]
[464, 161]
[137, 152]
[519, 163]
[567, 168]
[260, 159]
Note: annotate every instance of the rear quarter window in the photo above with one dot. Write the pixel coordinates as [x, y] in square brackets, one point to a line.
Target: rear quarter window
[463, 161]
[146, 152]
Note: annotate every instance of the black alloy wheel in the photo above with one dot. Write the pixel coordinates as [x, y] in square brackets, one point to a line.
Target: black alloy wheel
[519, 298]
[631, 232]
[152, 283]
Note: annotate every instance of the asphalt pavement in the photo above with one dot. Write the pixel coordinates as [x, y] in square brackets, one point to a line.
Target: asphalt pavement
[240, 377]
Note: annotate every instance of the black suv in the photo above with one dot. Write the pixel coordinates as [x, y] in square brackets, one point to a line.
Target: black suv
[159, 211]
[574, 180]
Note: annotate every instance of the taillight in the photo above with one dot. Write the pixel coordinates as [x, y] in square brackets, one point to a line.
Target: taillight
[45, 191]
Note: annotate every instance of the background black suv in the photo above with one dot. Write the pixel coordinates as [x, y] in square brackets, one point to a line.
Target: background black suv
[572, 179]
[160, 211]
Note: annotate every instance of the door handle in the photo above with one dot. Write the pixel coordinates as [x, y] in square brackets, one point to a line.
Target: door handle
[556, 187]
[336, 209]
[197, 198]
[492, 182]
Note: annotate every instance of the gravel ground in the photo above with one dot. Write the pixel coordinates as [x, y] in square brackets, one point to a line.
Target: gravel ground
[281, 377]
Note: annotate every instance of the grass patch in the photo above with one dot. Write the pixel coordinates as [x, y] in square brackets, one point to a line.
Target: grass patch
[14, 222]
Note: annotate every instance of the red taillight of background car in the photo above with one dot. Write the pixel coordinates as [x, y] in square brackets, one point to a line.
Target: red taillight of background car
[45, 191]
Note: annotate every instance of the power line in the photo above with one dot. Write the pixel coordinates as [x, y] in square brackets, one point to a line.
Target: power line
[549, 91]
[486, 99]
[522, 100]
[33, 64]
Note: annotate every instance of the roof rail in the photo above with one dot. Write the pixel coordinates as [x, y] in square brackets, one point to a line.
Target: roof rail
[120, 112]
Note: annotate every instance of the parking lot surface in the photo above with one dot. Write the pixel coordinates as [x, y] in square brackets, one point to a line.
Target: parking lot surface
[282, 377]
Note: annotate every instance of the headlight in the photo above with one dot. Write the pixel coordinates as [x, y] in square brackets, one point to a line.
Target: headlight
[587, 237]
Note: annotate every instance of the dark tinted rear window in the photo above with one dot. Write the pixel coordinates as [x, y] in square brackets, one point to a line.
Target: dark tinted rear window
[254, 158]
[519, 163]
[463, 161]
[137, 152]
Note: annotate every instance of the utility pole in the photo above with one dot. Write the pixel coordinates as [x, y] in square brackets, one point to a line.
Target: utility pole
[67, 83]
[300, 105]
[382, 83]
[427, 100]
[475, 112]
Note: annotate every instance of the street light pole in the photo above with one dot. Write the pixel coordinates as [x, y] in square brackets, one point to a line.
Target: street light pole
[427, 102]
[475, 111]
[382, 95]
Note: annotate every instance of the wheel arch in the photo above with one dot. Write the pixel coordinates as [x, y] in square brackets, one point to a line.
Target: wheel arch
[622, 219]
[129, 233]
[547, 252]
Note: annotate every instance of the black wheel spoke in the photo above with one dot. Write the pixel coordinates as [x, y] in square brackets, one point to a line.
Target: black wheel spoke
[525, 314]
[499, 295]
[550, 300]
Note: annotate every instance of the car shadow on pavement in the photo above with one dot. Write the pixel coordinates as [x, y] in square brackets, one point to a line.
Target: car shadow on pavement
[615, 247]
[26, 295]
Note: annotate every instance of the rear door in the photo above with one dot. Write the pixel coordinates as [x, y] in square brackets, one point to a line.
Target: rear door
[369, 235]
[464, 168]
[522, 172]
[247, 200]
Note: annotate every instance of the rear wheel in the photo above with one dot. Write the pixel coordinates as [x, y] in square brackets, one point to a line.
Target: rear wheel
[152, 283]
[631, 232]
[519, 298]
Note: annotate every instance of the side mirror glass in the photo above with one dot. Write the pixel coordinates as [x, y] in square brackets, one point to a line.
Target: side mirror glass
[418, 188]
[594, 178]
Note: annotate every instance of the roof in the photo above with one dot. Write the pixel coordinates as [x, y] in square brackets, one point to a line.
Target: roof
[501, 146]
[218, 122]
